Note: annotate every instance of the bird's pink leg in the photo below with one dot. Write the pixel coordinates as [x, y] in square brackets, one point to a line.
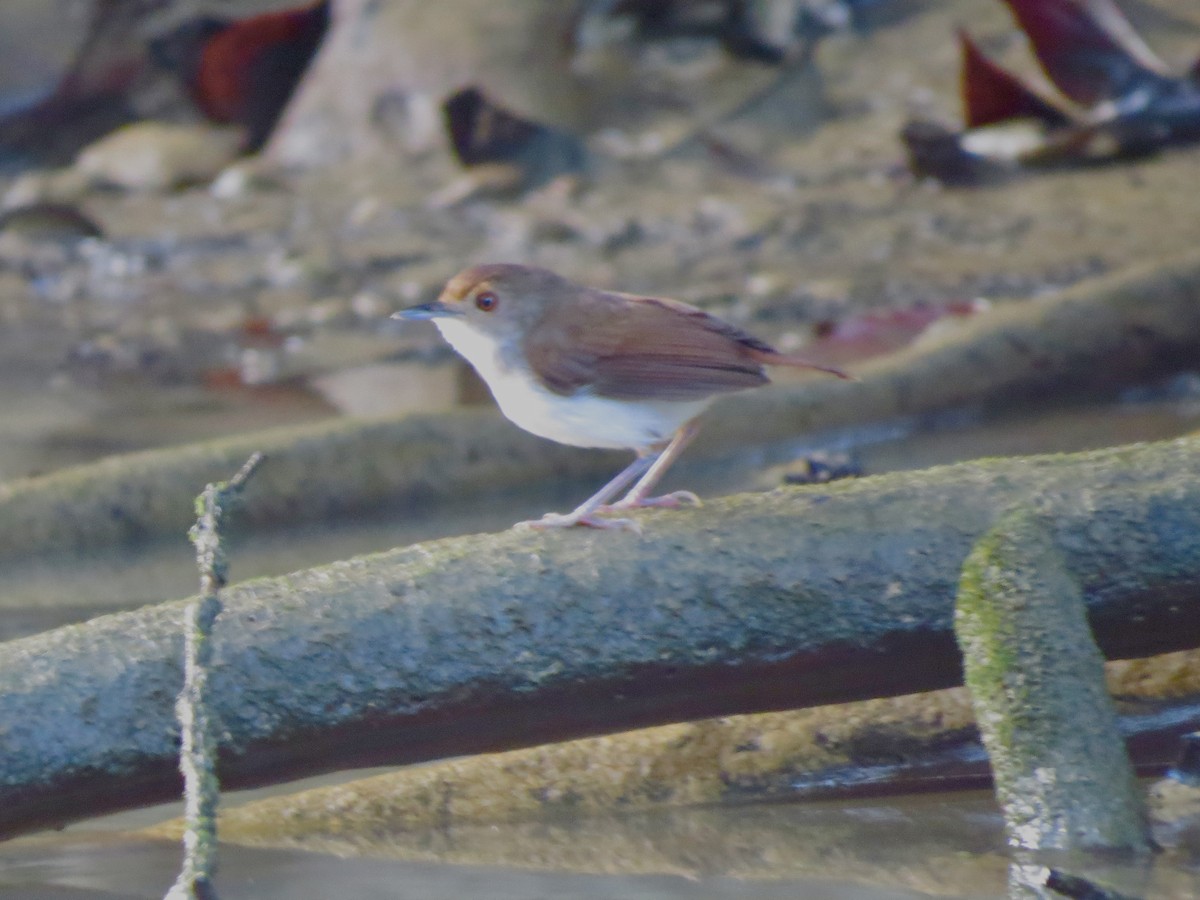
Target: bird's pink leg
[650, 467]
[639, 495]
[583, 514]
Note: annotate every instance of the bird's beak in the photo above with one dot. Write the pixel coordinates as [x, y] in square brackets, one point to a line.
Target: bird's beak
[435, 310]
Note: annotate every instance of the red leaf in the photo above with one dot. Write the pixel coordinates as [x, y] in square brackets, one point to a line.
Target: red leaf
[992, 94]
[1087, 48]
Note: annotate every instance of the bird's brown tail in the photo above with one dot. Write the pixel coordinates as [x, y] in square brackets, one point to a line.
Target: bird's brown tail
[775, 358]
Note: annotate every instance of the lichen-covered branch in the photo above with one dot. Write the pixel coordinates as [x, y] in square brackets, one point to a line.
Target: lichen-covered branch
[198, 738]
[487, 642]
[1124, 328]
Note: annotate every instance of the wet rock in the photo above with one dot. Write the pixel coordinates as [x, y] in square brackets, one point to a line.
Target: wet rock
[154, 156]
[821, 468]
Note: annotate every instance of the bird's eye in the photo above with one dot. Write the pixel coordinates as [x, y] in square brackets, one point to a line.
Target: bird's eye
[486, 301]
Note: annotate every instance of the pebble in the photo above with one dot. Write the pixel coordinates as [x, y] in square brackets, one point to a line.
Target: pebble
[156, 156]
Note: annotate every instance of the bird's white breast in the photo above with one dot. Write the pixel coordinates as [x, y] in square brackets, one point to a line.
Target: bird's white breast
[580, 420]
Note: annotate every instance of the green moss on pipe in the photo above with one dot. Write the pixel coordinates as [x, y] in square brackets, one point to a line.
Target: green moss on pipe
[1036, 680]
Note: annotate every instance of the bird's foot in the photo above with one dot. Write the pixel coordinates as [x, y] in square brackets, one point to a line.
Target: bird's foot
[677, 500]
[568, 520]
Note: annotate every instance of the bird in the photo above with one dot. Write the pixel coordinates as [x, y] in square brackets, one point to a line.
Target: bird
[594, 368]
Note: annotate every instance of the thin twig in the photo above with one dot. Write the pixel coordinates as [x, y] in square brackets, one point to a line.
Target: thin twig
[197, 752]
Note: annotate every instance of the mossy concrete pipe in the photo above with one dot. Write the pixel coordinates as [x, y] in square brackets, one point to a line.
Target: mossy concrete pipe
[1036, 679]
[886, 746]
[487, 642]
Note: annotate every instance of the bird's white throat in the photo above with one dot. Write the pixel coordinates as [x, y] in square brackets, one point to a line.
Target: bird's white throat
[581, 419]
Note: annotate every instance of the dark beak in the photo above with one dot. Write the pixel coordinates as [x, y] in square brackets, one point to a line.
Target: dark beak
[435, 310]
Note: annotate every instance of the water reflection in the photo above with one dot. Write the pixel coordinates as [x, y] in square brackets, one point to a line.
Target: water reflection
[891, 851]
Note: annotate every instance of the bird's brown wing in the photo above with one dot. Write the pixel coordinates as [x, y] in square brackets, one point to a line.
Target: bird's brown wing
[635, 348]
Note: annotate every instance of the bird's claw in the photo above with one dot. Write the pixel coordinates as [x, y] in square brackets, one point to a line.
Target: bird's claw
[569, 520]
[590, 520]
[675, 500]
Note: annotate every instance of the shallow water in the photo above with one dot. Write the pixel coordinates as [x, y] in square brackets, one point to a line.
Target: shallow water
[888, 849]
[112, 868]
[907, 849]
